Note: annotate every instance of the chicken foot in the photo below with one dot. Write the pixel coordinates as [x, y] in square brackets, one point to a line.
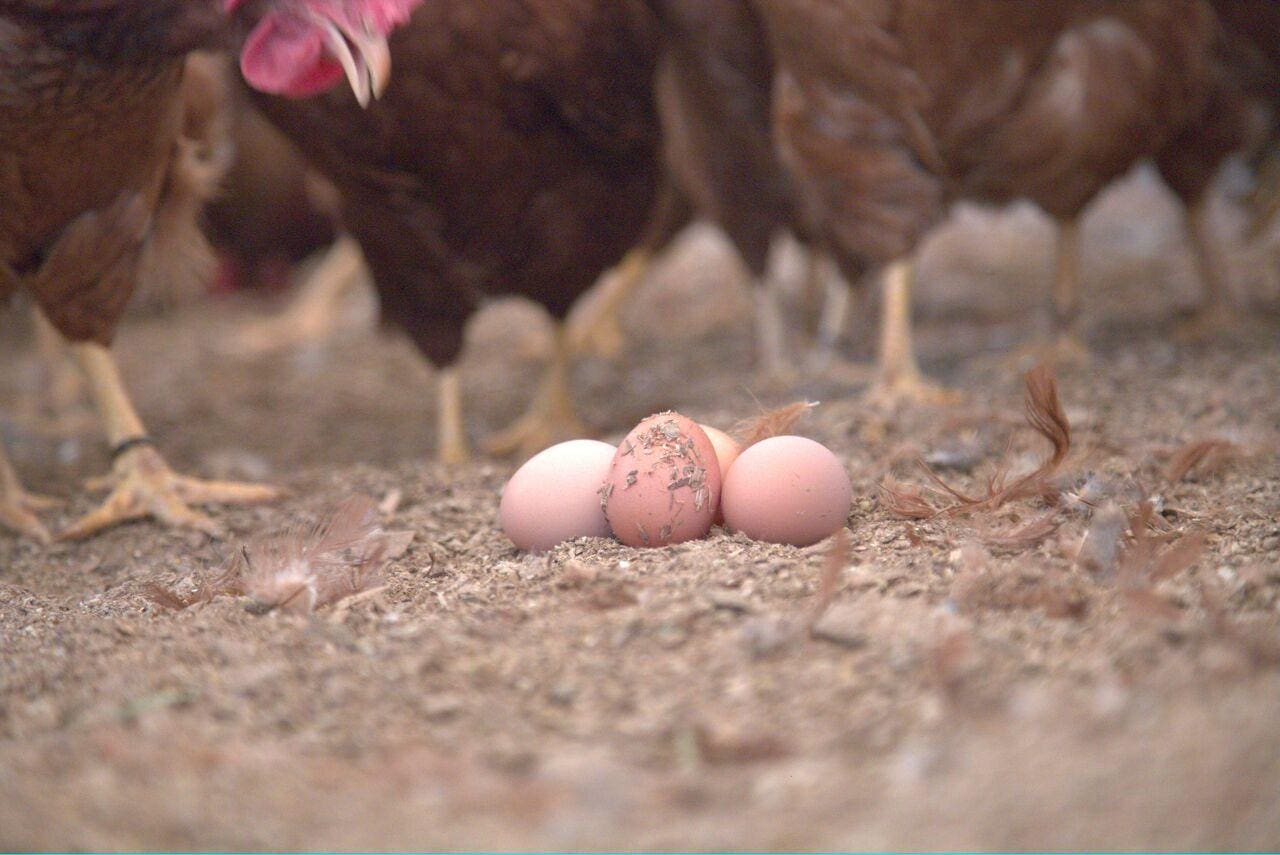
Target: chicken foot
[315, 313]
[551, 416]
[900, 378]
[595, 328]
[17, 506]
[1215, 313]
[1061, 342]
[141, 483]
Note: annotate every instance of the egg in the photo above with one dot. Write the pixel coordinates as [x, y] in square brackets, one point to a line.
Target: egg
[555, 496]
[664, 483]
[727, 451]
[786, 489]
[726, 447]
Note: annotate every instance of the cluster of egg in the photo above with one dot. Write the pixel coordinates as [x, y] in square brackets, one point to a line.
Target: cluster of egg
[669, 481]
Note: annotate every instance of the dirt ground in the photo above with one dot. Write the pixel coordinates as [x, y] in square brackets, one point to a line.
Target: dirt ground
[980, 681]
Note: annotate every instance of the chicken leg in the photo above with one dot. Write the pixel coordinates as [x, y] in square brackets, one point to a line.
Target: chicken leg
[899, 374]
[453, 449]
[824, 358]
[141, 482]
[1215, 312]
[62, 404]
[1264, 201]
[551, 417]
[17, 506]
[1060, 343]
[594, 328]
[314, 314]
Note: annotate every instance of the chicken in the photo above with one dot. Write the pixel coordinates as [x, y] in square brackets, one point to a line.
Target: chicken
[887, 111]
[101, 181]
[269, 213]
[1251, 35]
[714, 89]
[515, 152]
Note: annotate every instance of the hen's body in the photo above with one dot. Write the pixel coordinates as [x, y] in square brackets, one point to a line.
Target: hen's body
[514, 152]
[100, 185]
[91, 113]
[889, 111]
[992, 101]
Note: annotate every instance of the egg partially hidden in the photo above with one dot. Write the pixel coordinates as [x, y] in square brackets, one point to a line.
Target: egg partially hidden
[555, 496]
[786, 489]
[727, 448]
[664, 484]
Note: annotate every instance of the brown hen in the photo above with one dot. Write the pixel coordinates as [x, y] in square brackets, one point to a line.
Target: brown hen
[102, 172]
[887, 111]
[514, 152]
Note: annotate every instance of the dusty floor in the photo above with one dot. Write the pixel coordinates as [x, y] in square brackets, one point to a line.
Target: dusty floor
[966, 689]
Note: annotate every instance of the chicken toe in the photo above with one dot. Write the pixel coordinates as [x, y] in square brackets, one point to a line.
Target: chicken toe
[18, 507]
[142, 485]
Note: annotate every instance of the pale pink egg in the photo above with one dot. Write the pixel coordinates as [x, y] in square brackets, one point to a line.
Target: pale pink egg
[664, 484]
[787, 489]
[555, 496]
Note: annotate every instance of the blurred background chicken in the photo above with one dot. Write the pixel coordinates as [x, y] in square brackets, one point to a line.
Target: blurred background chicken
[107, 159]
[887, 112]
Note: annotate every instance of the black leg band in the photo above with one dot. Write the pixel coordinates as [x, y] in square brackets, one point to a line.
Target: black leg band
[129, 444]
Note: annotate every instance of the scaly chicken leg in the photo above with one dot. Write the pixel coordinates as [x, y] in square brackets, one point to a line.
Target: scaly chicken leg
[551, 416]
[899, 375]
[17, 506]
[141, 482]
[314, 314]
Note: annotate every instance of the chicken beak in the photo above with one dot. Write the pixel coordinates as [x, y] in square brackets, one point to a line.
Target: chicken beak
[365, 56]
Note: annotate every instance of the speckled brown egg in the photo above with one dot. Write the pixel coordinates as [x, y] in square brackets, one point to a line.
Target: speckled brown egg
[555, 496]
[664, 483]
[787, 489]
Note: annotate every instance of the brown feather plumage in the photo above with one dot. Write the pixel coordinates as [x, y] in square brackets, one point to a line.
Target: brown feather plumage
[515, 152]
[96, 172]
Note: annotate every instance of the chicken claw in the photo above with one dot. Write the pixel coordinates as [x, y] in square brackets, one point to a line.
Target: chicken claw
[17, 506]
[142, 485]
